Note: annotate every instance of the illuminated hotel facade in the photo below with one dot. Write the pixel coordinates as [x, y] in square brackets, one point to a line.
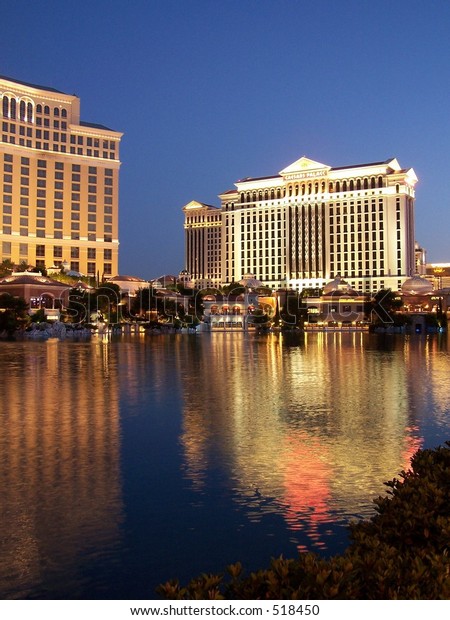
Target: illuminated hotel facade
[60, 190]
[306, 225]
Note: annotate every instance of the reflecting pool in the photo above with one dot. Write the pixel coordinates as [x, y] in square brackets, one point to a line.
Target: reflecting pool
[127, 462]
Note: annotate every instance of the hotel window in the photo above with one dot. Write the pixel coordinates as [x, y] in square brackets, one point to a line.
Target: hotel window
[40, 250]
[74, 266]
[91, 268]
[57, 251]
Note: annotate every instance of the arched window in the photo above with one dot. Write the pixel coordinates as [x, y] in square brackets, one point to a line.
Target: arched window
[397, 189]
[316, 188]
[12, 109]
[38, 109]
[358, 184]
[254, 196]
[266, 195]
[380, 181]
[22, 109]
[242, 197]
[30, 112]
[296, 190]
[323, 186]
[64, 113]
[46, 110]
[5, 106]
[56, 111]
[290, 190]
[338, 186]
[309, 188]
[372, 182]
[344, 186]
[303, 189]
[330, 188]
[278, 193]
[272, 194]
[366, 184]
[248, 196]
[352, 185]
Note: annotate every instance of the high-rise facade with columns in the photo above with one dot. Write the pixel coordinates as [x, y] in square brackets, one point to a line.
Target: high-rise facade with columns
[306, 225]
[59, 198]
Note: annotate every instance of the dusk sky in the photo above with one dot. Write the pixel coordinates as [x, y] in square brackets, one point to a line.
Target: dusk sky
[208, 92]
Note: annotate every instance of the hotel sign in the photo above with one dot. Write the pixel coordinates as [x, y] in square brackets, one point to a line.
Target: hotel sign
[312, 174]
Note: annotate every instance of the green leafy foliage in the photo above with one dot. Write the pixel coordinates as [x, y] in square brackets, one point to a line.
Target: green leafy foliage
[13, 313]
[402, 552]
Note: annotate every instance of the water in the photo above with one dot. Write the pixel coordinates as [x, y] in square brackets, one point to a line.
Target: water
[125, 463]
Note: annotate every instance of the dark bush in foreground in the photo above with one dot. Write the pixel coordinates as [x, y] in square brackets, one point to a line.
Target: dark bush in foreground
[402, 552]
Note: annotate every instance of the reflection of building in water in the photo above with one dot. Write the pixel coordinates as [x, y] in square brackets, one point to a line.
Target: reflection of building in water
[310, 432]
[59, 461]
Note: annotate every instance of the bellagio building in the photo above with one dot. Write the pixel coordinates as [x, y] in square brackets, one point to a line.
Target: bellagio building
[307, 224]
[59, 196]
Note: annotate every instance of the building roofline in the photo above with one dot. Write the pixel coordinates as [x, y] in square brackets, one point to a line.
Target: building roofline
[95, 126]
[277, 176]
[375, 163]
[30, 85]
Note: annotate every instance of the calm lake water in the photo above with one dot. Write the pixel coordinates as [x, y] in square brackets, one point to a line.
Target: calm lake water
[125, 463]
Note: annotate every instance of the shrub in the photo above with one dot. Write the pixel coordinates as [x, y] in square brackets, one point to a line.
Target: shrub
[402, 552]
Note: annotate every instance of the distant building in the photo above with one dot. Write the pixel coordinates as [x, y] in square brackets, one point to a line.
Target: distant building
[306, 225]
[421, 260]
[229, 312]
[129, 285]
[439, 274]
[338, 306]
[40, 292]
[60, 191]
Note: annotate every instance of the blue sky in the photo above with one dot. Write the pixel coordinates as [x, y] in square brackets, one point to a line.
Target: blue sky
[207, 92]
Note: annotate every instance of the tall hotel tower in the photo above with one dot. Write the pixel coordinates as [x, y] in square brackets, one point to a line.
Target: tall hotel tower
[59, 196]
[306, 225]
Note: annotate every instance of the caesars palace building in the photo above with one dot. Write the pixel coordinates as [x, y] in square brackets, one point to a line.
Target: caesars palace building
[306, 225]
[60, 176]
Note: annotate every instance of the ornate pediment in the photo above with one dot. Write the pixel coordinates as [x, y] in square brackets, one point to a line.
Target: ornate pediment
[304, 168]
[194, 204]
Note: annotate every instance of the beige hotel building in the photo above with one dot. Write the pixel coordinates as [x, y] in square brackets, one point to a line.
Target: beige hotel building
[60, 182]
[306, 225]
